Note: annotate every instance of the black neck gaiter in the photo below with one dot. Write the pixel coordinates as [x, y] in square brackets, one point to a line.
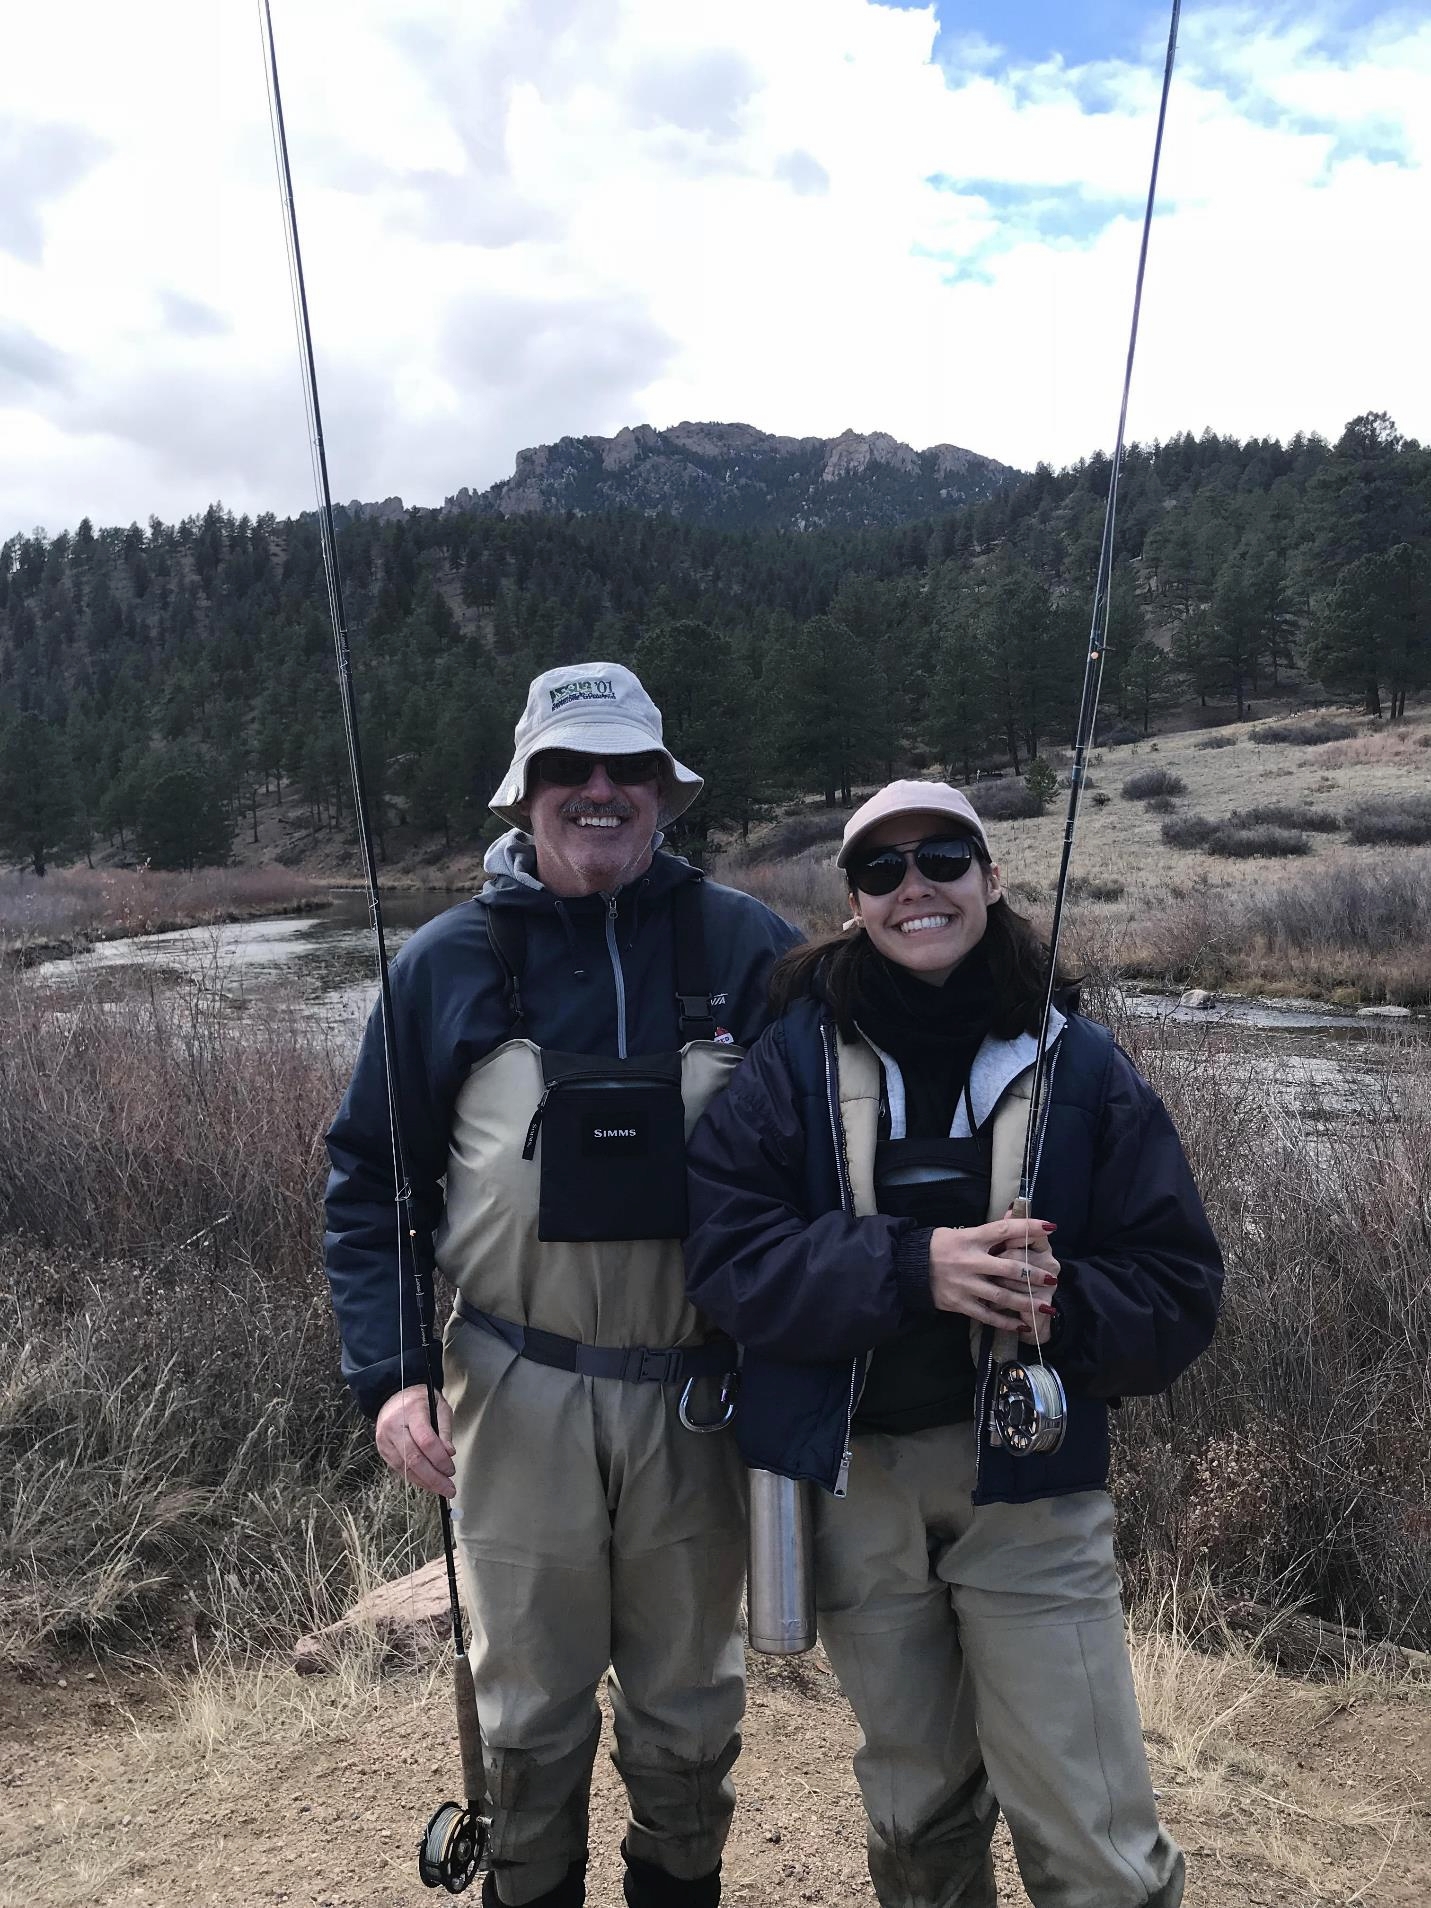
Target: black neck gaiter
[932, 1033]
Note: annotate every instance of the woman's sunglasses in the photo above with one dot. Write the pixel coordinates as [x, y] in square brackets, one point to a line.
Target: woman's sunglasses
[937, 859]
[564, 768]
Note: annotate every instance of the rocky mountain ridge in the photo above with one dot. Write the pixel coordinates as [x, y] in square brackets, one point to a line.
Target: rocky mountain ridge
[736, 475]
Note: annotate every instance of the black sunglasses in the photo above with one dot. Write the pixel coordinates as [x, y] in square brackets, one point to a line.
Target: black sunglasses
[564, 768]
[939, 858]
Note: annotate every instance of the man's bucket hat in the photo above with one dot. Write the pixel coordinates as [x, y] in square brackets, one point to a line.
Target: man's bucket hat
[596, 708]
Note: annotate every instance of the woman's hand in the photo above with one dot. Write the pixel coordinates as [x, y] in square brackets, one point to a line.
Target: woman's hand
[979, 1271]
[408, 1444]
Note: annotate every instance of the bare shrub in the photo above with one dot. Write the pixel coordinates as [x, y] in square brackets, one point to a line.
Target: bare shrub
[1311, 732]
[806, 889]
[811, 828]
[1287, 1466]
[171, 1418]
[1152, 781]
[1119, 736]
[1361, 906]
[1378, 748]
[1244, 843]
[1189, 831]
[93, 903]
[1095, 888]
[1404, 821]
[1286, 815]
[1161, 804]
[1005, 801]
[1350, 928]
[1216, 741]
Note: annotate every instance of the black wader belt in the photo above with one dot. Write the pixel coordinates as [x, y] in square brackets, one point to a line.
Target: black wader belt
[637, 1364]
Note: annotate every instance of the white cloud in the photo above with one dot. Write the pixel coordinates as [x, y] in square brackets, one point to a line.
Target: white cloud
[548, 216]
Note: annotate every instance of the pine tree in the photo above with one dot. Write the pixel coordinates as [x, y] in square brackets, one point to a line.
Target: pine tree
[184, 819]
[38, 814]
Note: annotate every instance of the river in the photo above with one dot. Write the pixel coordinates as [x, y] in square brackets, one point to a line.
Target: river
[1317, 1060]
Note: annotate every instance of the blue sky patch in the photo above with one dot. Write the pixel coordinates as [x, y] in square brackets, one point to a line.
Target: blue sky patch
[1044, 212]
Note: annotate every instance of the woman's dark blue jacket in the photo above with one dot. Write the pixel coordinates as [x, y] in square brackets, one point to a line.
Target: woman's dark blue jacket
[778, 1259]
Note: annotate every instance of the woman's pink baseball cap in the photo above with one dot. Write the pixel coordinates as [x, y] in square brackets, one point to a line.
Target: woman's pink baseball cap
[912, 798]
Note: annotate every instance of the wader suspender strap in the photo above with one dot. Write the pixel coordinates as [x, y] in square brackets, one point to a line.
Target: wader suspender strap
[692, 988]
[507, 935]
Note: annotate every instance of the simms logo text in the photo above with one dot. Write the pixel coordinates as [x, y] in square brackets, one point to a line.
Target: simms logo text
[584, 689]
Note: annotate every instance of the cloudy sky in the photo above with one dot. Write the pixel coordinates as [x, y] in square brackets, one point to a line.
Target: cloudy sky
[527, 218]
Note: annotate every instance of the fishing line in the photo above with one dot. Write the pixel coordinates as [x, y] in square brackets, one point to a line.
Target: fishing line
[1031, 1398]
[453, 1846]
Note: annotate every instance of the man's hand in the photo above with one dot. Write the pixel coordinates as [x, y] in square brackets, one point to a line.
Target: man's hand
[408, 1444]
[979, 1272]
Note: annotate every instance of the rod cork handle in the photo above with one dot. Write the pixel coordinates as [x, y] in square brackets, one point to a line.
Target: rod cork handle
[469, 1733]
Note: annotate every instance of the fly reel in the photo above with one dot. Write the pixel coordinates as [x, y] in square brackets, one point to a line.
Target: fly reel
[1030, 1412]
[453, 1848]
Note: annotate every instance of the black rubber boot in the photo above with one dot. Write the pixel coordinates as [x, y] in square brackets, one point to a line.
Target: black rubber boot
[570, 1891]
[647, 1886]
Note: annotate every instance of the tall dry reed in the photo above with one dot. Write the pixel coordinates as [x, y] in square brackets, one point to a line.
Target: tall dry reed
[81, 904]
[1289, 1465]
[174, 1442]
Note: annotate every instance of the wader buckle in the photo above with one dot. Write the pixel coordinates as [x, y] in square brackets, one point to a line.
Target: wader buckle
[647, 1367]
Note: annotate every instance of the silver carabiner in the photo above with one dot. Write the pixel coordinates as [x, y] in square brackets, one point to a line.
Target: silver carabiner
[727, 1398]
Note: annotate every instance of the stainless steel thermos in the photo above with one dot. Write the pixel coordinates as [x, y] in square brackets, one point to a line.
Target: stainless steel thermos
[780, 1587]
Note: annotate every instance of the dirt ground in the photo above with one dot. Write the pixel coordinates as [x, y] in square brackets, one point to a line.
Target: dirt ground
[128, 1789]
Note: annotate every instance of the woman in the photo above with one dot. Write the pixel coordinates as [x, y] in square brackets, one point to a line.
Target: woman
[850, 1192]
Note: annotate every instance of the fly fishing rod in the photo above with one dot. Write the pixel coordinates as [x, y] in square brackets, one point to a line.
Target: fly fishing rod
[453, 1847]
[1030, 1411]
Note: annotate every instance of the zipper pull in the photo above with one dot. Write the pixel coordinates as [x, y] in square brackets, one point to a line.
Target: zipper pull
[529, 1145]
[842, 1476]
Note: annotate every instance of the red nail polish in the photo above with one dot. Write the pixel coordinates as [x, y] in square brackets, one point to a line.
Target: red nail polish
[1047, 1309]
[1050, 1278]
[1049, 1225]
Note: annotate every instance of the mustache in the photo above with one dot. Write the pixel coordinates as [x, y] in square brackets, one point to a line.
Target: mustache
[622, 810]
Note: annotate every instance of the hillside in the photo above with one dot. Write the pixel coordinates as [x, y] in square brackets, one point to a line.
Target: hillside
[156, 685]
[739, 477]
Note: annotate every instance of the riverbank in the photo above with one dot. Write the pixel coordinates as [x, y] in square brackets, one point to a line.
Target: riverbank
[71, 909]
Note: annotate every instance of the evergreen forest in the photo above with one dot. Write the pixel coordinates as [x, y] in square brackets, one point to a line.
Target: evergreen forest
[156, 683]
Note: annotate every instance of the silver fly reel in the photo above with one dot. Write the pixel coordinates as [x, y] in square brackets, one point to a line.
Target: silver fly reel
[1030, 1412]
[453, 1850]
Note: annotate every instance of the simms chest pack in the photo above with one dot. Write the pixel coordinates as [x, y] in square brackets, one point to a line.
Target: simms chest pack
[612, 1131]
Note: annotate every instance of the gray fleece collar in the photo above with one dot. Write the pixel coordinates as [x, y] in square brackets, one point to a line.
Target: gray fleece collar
[997, 1064]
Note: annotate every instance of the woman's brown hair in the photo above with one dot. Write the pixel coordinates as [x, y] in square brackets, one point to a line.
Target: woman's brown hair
[835, 969]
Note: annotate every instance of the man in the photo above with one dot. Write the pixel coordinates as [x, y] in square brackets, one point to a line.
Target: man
[555, 1039]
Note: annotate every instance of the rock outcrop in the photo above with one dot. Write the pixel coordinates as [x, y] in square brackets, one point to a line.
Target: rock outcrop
[735, 475]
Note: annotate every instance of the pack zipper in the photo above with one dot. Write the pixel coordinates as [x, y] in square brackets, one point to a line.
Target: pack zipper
[529, 1144]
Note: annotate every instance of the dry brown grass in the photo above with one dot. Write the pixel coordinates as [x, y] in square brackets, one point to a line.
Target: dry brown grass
[1287, 1466]
[171, 1421]
[1179, 917]
[88, 904]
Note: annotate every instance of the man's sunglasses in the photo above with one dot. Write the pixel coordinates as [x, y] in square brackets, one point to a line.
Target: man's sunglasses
[564, 768]
[938, 859]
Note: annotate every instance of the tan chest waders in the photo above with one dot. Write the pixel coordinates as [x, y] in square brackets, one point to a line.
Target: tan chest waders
[566, 1187]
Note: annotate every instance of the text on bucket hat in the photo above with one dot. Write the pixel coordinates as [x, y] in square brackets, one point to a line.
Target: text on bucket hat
[911, 798]
[595, 708]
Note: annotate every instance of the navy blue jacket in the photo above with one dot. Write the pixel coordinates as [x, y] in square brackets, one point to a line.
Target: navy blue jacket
[598, 978]
[778, 1259]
